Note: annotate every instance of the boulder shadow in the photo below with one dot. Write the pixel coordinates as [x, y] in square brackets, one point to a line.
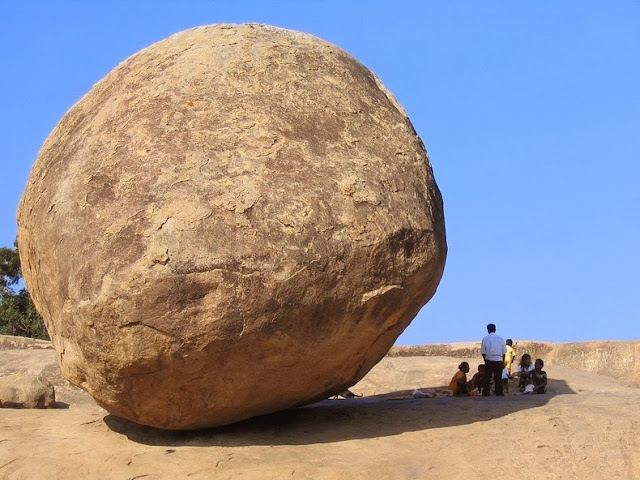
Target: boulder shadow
[331, 421]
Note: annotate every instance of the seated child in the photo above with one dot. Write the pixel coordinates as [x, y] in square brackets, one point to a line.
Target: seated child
[524, 371]
[459, 385]
[478, 378]
[538, 377]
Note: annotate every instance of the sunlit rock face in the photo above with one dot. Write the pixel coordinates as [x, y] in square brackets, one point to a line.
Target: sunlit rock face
[236, 220]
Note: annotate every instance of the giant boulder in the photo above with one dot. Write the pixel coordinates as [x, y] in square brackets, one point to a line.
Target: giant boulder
[236, 220]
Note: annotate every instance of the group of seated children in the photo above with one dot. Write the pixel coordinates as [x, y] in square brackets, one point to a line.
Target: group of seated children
[532, 379]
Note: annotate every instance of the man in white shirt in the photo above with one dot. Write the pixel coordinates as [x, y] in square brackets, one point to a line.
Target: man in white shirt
[493, 351]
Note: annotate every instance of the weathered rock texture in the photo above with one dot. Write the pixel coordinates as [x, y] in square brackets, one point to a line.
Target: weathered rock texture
[236, 220]
[21, 390]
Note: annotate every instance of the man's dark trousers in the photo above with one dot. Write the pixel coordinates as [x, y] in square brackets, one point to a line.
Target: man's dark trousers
[493, 369]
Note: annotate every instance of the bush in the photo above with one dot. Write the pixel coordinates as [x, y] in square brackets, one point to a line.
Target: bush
[18, 315]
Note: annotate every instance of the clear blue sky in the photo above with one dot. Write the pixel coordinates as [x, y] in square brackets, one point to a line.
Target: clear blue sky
[530, 112]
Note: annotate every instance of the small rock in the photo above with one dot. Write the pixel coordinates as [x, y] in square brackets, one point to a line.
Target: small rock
[26, 391]
[421, 394]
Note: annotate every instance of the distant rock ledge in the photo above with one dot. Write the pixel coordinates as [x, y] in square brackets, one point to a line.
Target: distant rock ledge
[8, 342]
[617, 359]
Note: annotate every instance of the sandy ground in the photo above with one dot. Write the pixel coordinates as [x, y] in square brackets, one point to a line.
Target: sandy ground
[586, 427]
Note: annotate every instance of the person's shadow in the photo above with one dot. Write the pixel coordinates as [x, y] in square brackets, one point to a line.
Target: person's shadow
[339, 420]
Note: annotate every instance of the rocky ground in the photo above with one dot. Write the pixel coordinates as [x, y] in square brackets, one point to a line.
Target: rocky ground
[586, 427]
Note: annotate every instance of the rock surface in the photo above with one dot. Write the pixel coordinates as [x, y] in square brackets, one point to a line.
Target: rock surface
[21, 390]
[236, 220]
[585, 427]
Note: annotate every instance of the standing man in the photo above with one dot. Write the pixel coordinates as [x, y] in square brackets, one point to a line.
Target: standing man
[493, 351]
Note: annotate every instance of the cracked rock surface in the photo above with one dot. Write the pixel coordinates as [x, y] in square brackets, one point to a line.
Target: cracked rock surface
[235, 220]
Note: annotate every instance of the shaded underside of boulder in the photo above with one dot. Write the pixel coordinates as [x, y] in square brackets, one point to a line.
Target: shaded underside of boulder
[236, 220]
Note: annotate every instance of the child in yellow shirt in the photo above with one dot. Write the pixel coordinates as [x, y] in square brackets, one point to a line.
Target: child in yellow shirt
[509, 356]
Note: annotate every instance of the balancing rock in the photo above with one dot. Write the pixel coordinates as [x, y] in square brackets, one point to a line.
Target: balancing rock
[236, 220]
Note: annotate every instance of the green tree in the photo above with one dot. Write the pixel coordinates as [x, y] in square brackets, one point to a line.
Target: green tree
[18, 315]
